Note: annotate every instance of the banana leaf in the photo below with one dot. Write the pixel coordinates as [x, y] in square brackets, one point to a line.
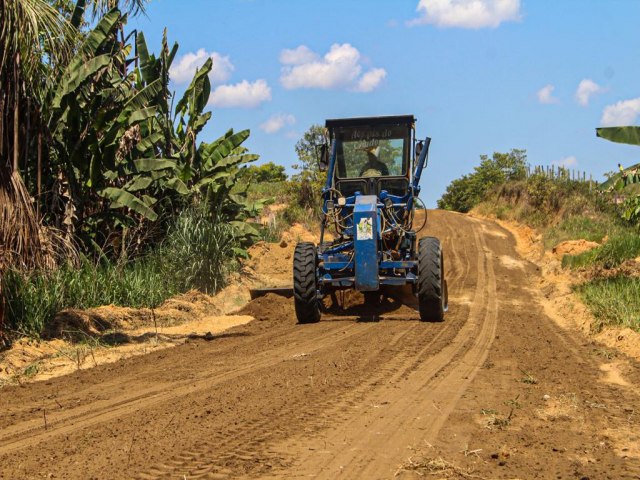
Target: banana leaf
[121, 198]
[616, 181]
[153, 164]
[628, 135]
[75, 76]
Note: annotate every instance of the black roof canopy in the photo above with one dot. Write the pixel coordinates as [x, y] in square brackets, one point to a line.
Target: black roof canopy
[407, 120]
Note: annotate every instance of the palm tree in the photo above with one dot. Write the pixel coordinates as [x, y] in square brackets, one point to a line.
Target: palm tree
[36, 42]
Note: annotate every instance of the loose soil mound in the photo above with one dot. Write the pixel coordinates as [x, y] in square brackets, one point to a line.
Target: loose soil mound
[574, 247]
[76, 325]
[270, 307]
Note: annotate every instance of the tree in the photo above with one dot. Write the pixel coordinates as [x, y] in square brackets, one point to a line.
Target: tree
[267, 172]
[464, 193]
[307, 150]
[624, 178]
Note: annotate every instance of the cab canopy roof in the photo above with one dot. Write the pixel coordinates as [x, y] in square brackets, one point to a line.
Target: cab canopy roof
[334, 123]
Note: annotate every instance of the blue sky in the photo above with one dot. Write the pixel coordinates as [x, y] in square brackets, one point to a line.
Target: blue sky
[480, 75]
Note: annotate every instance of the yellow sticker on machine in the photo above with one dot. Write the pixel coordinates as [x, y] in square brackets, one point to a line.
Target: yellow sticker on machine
[365, 229]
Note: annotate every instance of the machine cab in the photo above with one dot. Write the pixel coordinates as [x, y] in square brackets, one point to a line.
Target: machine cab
[371, 155]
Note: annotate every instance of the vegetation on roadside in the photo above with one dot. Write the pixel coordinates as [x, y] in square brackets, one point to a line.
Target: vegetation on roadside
[563, 208]
[107, 195]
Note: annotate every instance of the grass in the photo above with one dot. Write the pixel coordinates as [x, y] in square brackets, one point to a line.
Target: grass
[623, 246]
[592, 228]
[198, 253]
[613, 301]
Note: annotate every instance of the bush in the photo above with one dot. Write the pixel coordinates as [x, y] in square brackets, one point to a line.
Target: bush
[464, 193]
[199, 252]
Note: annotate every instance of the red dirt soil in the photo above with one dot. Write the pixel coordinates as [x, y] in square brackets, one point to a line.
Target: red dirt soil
[498, 390]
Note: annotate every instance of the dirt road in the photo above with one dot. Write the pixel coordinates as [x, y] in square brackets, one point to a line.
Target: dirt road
[496, 391]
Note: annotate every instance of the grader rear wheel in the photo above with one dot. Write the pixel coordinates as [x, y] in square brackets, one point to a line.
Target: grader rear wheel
[305, 290]
[432, 286]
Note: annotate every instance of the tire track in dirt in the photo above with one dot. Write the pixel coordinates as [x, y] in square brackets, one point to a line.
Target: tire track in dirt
[368, 445]
[33, 431]
[334, 398]
[197, 462]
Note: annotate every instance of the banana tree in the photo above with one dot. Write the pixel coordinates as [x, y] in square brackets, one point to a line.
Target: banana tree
[629, 176]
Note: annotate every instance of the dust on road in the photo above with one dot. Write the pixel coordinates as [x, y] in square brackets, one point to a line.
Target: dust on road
[498, 390]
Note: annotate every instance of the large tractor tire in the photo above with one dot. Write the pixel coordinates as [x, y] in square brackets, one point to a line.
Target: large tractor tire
[432, 286]
[305, 291]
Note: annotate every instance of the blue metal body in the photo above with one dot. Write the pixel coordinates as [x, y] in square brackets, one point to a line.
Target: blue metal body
[367, 237]
[375, 243]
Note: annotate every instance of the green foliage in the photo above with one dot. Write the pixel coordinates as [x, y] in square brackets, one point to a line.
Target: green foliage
[267, 172]
[628, 135]
[464, 193]
[197, 253]
[623, 246]
[613, 301]
[631, 210]
[626, 177]
[124, 176]
[592, 228]
[124, 159]
[307, 152]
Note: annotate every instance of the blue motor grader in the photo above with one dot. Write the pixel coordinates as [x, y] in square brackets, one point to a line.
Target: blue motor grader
[368, 241]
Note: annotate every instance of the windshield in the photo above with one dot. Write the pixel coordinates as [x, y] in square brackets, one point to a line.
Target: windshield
[366, 152]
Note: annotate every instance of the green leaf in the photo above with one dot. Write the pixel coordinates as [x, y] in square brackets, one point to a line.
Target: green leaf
[234, 160]
[75, 76]
[144, 97]
[240, 252]
[629, 135]
[195, 89]
[153, 164]
[101, 33]
[138, 183]
[149, 141]
[141, 115]
[177, 185]
[616, 181]
[121, 198]
[244, 228]
[147, 63]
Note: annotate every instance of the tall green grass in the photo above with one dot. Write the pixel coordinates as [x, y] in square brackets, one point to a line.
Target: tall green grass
[592, 228]
[197, 253]
[614, 301]
[617, 249]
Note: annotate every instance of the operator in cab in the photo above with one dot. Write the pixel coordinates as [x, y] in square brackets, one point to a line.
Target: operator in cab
[374, 166]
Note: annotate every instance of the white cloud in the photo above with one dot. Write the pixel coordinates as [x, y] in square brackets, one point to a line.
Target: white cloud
[621, 114]
[467, 13]
[183, 71]
[298, 55]
[567, 162]
[277, 121]
[340, 68]
[545, 94]
[243, 94]
[586, 89]
[370, 80]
